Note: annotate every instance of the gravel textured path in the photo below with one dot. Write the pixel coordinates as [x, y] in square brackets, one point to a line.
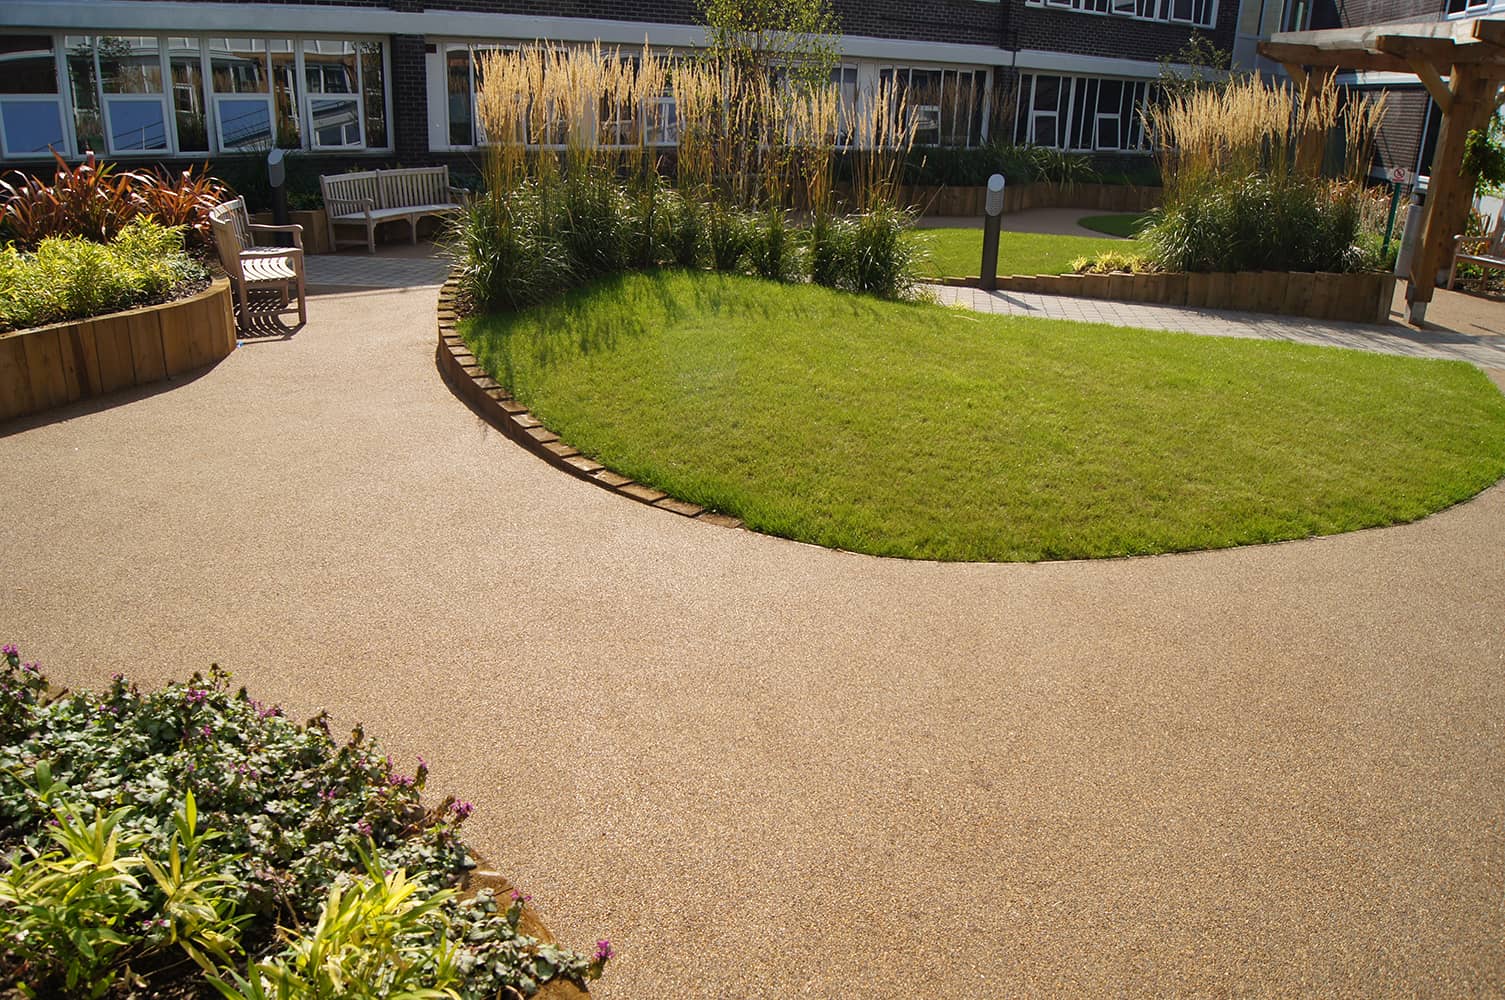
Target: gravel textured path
[766, 769]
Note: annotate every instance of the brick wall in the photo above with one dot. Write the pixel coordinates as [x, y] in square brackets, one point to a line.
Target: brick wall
[1084, 33]
[409, 99]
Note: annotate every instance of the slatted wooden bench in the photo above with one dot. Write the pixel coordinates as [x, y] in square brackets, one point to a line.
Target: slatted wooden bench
[370, 197]
[1481, 251]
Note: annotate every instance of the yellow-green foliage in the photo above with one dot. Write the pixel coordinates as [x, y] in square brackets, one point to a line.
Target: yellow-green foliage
[1110, 261]
[73, 278]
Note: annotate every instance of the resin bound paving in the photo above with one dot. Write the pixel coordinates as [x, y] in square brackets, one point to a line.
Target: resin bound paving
[768, 769]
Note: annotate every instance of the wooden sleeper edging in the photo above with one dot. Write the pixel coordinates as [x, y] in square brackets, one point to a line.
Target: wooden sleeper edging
[462, 370]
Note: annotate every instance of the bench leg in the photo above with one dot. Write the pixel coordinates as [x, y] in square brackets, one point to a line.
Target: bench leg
[370, 236]
[413, 225]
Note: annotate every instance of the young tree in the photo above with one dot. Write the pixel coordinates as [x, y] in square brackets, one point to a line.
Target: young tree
[1196, 64]
[761, 37]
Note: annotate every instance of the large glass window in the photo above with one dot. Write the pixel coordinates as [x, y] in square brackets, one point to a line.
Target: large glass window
[83, 91]
[31, 109]
[374, 92]
[130, 75]
[1202, 13]
[242, 93]
[946, 105]
[1081, 113]
[459, 87]
[333, 75]
[189, 108]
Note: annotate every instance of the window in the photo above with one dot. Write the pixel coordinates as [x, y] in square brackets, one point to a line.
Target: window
[1081, 113]
[945, 105]
[31, 109]
[190, 112]
[332, 71]
[1202, 13]
[135, 108]
[242, 93]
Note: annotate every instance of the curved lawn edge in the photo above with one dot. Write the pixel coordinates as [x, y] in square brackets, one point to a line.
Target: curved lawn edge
[493, 402]
[461, 366]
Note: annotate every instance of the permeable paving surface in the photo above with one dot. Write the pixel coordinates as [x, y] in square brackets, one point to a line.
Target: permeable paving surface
[767, 769]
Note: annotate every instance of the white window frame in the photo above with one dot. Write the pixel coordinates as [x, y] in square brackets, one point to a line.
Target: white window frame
[1071, 84]
[1163, 10]
[59, 101]
[306, 99]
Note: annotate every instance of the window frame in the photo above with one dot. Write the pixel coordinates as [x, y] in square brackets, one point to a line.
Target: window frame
[1162, 10]
[59, 99]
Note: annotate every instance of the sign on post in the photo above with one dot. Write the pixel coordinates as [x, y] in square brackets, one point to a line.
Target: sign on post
[1400, 175]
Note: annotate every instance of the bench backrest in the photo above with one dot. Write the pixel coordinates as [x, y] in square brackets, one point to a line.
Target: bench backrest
[414, 186]
[404, 187]
[232, 233]
[346, 192]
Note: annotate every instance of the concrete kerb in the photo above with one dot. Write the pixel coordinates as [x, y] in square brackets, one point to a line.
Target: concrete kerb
[495, 405]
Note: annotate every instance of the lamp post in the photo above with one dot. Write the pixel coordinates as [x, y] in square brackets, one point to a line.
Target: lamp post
[277, 178]
[992, 223]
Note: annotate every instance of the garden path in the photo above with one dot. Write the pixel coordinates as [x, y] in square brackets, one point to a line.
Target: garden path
[1482, 347]
[769, 769]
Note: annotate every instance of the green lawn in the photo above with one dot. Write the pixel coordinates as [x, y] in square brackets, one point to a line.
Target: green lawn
[1125, 226]
[957, 253]
[920, 431]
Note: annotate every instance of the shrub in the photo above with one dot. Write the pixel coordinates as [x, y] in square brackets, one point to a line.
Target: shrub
[506, 253]
[729, 233]
[773, 251]
[95, 202]
[74, 278]
[1259, 222]
[1110, 261]
[211, 821]
[879, 260]
[596, 226]
[683, 223]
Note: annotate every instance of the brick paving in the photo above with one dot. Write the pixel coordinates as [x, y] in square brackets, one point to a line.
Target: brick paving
[1485, 350]
[383, 271]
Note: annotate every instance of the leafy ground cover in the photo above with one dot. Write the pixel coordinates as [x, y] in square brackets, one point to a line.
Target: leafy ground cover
[957, 253]
[912, 430]
[192, 842]
[1125, 226]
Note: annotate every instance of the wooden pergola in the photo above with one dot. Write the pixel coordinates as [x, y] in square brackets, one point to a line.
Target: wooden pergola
[1462, 65]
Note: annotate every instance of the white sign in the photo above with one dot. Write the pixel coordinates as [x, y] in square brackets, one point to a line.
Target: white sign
[1400, 175]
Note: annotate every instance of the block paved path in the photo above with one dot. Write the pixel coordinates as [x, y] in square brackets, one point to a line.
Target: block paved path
[765, 769]
[1482, 349]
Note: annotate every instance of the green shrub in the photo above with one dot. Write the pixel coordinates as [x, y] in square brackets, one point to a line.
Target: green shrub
[773, 251]
[596, 227]
[505, 252]
[879, 260]
[211, 822]
[1259, 222]
[74, 278]
[728, 235]
[1111, 261]
[683, 223]
[830, 251]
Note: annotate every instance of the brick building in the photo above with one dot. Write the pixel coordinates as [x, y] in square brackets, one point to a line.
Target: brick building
[393, 80]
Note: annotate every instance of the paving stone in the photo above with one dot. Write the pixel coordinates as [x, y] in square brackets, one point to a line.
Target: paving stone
[510, 406]
[680, 506]
[560, 449]
[542, 435]
[584, 464]
[638, 491]
[724, 520]
[613, 479]
[526, 420]
[487, 383]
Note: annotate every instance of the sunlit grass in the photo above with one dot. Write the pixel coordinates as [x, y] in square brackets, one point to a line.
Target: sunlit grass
[957, 253]
[920, 431]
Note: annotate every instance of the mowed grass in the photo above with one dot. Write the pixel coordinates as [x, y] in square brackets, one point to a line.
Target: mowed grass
[921, 431]
[957, 253]
[1125, 226]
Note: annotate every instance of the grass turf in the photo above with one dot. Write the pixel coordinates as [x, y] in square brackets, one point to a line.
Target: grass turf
[957, 253]
[1126, 226]
[920, 431]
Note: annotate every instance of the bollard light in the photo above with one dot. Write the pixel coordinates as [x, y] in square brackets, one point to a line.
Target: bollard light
[994, 203]
[992, 222]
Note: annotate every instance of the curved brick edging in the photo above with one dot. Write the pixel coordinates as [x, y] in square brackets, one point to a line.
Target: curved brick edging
[488, 398]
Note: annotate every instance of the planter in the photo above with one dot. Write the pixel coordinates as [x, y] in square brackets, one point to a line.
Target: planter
[48, 366]
[315, 223]
[968, 200]
[1352, 298]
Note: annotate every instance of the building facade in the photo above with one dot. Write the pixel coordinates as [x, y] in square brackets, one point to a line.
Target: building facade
[395, 80]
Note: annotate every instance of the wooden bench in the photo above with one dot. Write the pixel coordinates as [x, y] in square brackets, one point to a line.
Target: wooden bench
[375, 196]
[1490, 252]
[250, 267]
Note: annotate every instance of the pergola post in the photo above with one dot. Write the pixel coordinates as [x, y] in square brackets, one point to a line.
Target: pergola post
[1450, 192]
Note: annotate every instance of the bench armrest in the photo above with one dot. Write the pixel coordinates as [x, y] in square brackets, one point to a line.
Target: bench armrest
[461, 195]
[295, 229]
[348, 206]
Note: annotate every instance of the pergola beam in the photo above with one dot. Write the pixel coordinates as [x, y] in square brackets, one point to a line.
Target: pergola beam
[1461, 63]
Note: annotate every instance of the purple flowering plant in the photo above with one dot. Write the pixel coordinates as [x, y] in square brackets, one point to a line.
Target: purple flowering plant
[292, 808]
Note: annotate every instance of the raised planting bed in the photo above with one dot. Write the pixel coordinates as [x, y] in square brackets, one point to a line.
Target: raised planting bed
[965, 201]
[1356, 298]
[315, 228]
[49, 366]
